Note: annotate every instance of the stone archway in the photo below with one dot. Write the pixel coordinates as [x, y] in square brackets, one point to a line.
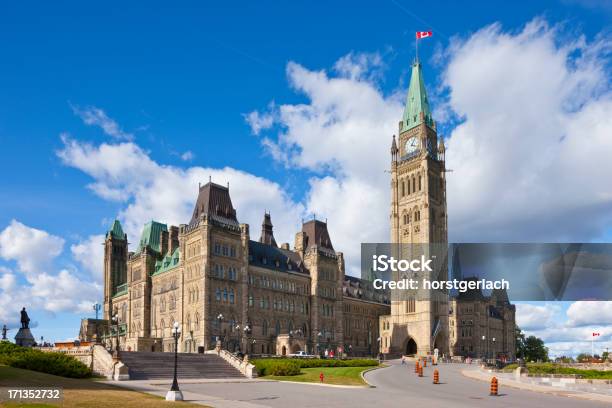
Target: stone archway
[284, 351]
[411, 347]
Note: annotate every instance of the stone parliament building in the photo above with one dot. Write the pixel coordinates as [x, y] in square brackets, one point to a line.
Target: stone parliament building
[261, 298]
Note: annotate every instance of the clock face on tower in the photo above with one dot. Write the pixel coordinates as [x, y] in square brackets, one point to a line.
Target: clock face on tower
[412, 145]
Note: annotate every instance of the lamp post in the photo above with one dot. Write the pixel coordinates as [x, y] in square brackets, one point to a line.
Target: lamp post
[175, 393]
[115, 321]
[319, 335]
[220, 321]
[247, 332]
[493, 351]
[484, 352]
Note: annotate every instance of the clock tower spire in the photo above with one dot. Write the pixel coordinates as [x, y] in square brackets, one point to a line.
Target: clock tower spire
[418, 216]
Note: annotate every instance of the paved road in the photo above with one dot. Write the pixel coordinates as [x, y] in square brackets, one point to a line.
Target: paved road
[396, 386]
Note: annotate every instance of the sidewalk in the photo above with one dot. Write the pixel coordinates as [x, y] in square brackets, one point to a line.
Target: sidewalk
[509, 381]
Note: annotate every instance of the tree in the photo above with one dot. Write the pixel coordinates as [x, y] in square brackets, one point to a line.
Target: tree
[520, 342]
[535, 350]
[583, 357]
[605, 355]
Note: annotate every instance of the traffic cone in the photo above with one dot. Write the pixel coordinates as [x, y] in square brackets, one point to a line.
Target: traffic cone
[424, 362]
[494, 387]
[420, 371]
[416, 367]
[436, 377]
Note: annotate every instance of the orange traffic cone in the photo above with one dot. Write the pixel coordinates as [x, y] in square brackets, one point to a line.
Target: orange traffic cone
[494, 387]
[436, 377]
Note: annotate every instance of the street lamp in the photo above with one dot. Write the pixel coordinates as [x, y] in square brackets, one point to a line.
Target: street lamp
[115, 321]
[247, 332]
[493, 351]
[219, 321]
[484, 346]
[175, 393]
[319, 335]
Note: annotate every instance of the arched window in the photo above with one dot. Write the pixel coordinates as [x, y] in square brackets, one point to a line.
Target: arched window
[277, 328]
[403, 188]
[419, 182]
[225, 294]
[408, 185]
[218, 295]
[413, 184]
[231, 296]
[264, 328]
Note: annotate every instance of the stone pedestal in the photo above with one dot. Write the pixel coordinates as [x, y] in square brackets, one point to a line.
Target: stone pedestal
[174, 396]
[24, 338]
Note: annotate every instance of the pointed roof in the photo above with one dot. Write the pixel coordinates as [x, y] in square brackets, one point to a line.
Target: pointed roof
[151, 236]
[116, 231]
[417, 104]
[267, 236]
[214, 200]
[317, 234]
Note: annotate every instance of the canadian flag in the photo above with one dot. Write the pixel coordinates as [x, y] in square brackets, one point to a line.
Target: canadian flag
[423, 34]
[596, 334]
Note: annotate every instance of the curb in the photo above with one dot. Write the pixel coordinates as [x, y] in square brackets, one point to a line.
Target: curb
[477, 375]
[362, 374]
[317, 384]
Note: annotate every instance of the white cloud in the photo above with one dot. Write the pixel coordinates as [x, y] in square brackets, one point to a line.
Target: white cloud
[537, 113]
[90, 254]
[93, 116]
[592, 314]
[187, 156]
[34, 285]
[168, 194]
[33, 249]
[533, 317]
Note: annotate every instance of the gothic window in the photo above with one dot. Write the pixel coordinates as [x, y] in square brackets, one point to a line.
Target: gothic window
[264, 328]
[231, 296]
[408, 186]
[172, 302]
[250, 300]
[218, 295]
[262, 303]
[225, 295]
[403, 189]
[419, 182]
[277, 328]
[413, 184]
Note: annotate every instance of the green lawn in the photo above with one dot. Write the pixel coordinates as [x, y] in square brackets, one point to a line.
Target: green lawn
[333, 375]
[551, 368]
[81, 393]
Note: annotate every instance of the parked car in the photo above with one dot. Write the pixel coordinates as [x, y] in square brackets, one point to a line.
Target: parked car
[301, 354]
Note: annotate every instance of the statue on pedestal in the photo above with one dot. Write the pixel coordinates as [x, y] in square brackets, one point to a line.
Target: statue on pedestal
[24, 336]
[4, 330]
[25, 319]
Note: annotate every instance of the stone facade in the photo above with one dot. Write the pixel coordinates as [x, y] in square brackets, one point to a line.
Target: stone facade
[220, 285]
[226, 289]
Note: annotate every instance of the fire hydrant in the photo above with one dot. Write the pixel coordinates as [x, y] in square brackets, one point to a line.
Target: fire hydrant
[321, 377]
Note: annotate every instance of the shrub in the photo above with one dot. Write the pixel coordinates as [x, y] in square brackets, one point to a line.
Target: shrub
[36, 360]
[265, 366]
[285, 368]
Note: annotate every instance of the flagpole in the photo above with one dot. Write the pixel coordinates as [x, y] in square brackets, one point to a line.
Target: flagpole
[416, 46]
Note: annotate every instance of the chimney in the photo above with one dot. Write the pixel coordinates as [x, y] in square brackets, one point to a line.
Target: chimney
[174, 239]
[163, 242]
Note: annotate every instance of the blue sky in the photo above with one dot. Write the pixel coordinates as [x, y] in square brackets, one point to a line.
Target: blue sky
[292, 98]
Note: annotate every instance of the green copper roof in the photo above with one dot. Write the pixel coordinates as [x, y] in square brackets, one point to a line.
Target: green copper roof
[150, 236]
[170, 261]
[116, 231]
[416, 101]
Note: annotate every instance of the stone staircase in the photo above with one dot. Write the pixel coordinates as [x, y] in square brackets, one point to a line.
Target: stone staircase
[148, 366]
